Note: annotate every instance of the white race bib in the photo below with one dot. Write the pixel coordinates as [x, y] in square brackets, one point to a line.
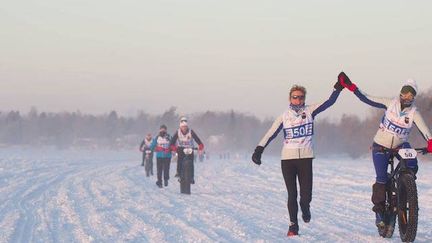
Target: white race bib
[407, 153]
[298, 129]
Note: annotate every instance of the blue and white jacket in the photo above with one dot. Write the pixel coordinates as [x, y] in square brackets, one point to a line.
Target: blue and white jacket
[161, 143]
[298, 128]
[396, 124]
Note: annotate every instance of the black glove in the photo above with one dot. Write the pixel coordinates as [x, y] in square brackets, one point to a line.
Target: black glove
[256, 156]
[342, 77]
[338, 86]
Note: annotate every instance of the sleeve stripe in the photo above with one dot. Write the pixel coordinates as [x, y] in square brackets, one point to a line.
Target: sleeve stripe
[274, 135]
[363, 98]
[324, 106]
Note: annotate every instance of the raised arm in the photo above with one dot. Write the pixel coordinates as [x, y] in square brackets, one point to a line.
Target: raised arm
[316, 109]
[377, 102]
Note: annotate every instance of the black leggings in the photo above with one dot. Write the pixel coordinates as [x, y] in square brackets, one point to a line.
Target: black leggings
[291, 169]
[163, 166]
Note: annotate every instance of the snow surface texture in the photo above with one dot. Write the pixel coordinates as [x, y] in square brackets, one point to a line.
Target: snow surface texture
[103, 196]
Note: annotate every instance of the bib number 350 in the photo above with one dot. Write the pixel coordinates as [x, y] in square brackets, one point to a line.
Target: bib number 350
[407, 153]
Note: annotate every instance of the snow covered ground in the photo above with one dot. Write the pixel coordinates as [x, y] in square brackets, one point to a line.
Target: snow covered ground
[103, 196]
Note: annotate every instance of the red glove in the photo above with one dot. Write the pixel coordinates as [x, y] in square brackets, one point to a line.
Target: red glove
[429, 146]
[173, 148]
[346, 82]
[159, 149]
[201, 147]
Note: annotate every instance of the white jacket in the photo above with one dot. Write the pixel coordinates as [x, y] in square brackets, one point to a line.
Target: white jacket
[298, 129]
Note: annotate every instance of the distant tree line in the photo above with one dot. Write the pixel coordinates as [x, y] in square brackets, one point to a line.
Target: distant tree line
[220, 131]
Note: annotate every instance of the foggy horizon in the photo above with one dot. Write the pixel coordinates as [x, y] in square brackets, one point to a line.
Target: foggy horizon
[205, 55]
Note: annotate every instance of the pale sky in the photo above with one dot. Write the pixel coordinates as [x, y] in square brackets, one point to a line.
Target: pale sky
[96, 56]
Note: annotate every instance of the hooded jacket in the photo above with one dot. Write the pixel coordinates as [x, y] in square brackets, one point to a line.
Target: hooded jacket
[396, 123]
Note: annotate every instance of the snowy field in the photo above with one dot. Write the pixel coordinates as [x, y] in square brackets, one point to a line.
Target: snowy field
[103, 196]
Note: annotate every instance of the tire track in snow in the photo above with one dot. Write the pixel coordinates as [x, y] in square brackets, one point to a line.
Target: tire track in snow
[77, 206]
[26, 200]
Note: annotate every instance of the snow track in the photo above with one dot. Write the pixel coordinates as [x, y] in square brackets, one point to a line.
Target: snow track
[104, 196]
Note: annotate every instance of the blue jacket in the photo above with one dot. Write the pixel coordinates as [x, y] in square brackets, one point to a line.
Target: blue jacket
[161, 143]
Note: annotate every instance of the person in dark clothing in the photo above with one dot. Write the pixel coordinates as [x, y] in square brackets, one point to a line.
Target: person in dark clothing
[297, 153]
[184, 138]
[160, 144]
[145, 145]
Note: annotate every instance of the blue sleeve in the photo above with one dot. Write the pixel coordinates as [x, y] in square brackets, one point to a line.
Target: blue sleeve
[153, 144]
[365, 99]
[274, 135]
[324, 106]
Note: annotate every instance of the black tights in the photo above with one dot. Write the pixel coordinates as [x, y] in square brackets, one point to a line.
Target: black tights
[291, 169]
[163, 167]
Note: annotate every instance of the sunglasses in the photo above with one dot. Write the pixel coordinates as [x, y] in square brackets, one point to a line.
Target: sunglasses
[407, 96]
[299, 97]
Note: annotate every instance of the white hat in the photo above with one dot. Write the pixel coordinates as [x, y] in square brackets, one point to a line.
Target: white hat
[183, 121]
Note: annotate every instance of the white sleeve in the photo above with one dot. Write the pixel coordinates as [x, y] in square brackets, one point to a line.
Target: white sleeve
[272, 132]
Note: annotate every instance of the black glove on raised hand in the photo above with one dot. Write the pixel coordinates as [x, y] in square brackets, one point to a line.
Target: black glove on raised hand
[338, 86]
[256, 156]
[343, 78]
[346, 82]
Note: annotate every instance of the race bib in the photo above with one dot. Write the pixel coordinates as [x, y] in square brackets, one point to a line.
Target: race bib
[407, 153]
[163, 142]
[391, 127]
[304, 130]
